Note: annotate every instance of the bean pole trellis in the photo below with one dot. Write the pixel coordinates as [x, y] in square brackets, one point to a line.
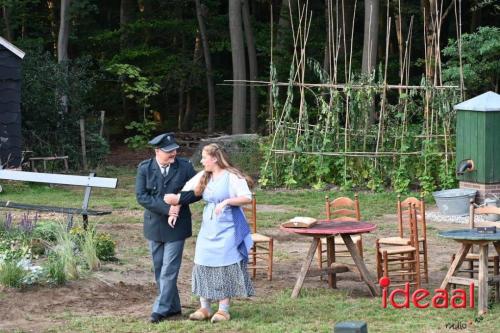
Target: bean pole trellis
[362, 133]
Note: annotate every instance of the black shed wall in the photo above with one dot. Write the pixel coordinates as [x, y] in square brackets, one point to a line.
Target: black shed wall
[10, 109]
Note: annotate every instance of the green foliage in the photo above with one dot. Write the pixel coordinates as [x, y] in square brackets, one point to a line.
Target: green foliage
[143, 130]
[11, 274]
[103, 242]
[47, 129]
[105, 246]
[66, 251]
[308, 144]
[135, 86]
[480, 60]
[46, 230]
[140, 89]
[54, 267]
[89, 249]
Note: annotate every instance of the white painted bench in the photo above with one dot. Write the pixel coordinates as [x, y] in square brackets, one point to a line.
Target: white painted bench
[51, 178]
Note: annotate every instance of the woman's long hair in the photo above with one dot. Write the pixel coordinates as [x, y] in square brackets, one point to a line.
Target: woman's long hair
[216, 151]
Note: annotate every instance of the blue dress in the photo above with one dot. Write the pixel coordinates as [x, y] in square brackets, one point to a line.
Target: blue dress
[219, 271]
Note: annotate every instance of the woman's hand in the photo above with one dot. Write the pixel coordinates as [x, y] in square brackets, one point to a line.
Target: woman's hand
[171, 198]
[220, 207]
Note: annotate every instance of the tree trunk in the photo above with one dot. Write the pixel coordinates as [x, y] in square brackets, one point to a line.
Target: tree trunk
[62, 44]
[6, 22]
[127, 12]
[180, 107]
[370, 40]
[200, 14]
[127, 16]
[52, 20]
[477, 16]
[346, 24]
[252, 65]
[284, 31]
[62, 40]
[239, 67]
[191, 101]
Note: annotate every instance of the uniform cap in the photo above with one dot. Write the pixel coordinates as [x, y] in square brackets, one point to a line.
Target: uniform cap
[165, 142]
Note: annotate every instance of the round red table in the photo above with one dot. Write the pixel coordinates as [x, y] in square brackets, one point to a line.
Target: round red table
[326, 228]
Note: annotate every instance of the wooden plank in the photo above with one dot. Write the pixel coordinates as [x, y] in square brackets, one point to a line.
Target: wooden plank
[358, 260]
[62, 210]
[462, 280]
[457, 262]
[497, 247]
[51, 178]
[305, 267]
[339, 268]
[493, 279]
[482, 297]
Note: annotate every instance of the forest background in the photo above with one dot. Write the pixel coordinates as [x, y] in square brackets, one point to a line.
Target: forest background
[370, 108]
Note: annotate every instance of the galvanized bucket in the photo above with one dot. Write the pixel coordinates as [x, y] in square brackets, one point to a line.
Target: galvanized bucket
[455, 201]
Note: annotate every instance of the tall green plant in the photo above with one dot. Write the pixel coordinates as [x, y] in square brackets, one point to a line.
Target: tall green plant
[140, 89]
[88, 248]
[65, 249]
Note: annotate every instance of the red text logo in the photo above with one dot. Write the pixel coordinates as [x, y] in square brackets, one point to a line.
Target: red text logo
[422, 298]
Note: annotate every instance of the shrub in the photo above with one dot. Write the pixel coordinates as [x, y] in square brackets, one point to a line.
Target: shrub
[65, 249]
[88, 248]
[11, 275]
[55, 269]
[46, 231]
[105, 246]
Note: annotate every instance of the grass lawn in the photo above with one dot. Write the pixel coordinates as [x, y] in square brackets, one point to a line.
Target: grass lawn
[316, 310]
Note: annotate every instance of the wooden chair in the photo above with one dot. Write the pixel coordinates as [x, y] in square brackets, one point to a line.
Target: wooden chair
[341, 209]
[403, 238]
[261, 254]
[472, 258]
[401, 263]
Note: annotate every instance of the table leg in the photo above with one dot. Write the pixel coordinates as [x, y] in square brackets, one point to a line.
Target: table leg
[482, 297]
[330, 255]
[459, 258]
[365, 275]
[305, 267]
[497, 247]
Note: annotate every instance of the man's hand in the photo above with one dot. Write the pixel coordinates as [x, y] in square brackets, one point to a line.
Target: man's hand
[173, 213]
[174, 210]
[172, 220]
[171, 198]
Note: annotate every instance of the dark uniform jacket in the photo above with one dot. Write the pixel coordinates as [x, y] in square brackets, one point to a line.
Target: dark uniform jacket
[151, 186]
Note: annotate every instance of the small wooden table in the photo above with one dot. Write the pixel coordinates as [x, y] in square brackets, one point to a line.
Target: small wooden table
[467, 238]
[326, 228]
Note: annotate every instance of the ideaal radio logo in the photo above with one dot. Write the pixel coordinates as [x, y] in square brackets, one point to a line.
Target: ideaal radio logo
[422, 298]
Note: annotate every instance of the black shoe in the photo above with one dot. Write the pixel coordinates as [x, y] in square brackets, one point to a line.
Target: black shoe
[156, 318]
[172, 314]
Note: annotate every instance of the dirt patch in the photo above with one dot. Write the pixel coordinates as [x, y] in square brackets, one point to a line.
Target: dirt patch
[126, 287]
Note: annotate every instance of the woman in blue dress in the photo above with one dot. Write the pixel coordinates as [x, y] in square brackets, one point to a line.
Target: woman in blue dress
[224, 241]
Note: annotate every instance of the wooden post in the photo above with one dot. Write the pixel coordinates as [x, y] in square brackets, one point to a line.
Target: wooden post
[82, 137]
[482, 298]
[101, 130]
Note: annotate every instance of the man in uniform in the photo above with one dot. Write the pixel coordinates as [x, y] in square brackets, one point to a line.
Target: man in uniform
[165, 173]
